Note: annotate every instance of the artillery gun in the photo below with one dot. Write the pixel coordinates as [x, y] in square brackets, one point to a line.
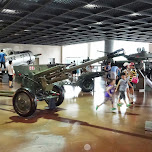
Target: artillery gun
[42, 84]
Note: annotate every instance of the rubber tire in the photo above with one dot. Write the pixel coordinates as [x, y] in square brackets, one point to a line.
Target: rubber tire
[32, 101]
[87, 89]
[60, 90]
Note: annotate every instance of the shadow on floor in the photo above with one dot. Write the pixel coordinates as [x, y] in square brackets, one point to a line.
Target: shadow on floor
[47, 114]
[4, 104]
[7, 110]
[126, 113]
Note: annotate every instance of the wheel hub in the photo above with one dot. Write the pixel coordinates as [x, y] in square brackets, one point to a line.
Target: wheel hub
[23, 103]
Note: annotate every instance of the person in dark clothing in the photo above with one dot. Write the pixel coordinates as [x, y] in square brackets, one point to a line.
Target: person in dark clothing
[107, 69]
[2, 60]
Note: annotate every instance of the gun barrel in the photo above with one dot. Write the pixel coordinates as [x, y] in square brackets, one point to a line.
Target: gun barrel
[47, 71]
[54, 74]
[86, 64]
[113, 54]
[36, 55]
[59, 79]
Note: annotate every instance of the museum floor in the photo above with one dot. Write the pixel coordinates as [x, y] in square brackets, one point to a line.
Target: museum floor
[76, 126]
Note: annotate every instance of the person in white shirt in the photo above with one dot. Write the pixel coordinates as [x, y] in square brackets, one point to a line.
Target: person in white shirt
[10, 73]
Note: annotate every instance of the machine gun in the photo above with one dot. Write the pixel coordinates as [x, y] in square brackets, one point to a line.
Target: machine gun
[40, 83]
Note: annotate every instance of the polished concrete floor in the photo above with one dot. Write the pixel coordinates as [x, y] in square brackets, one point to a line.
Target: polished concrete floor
[76, 126]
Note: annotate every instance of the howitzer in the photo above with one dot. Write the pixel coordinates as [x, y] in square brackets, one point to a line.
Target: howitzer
[42, 83]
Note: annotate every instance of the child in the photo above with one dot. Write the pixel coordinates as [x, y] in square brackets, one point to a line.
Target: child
[123, 82]
[109, 94]
[10, 73]
[132, 74]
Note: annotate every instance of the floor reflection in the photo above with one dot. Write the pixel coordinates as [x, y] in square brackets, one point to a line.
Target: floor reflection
[76, 123]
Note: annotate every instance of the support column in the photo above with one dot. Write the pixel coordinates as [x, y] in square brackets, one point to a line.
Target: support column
[109, 46]
[150, 47]
[61, 57]
[89, 49]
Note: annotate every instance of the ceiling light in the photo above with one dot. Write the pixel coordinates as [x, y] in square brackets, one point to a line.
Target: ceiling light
[61, 1]
[27, 30]
[1, 21]
[98, 23]
[75, 29]
[34, 0]
[9, 11]
[91, 6]
[16, 34]
[45, 36]
[135, 14]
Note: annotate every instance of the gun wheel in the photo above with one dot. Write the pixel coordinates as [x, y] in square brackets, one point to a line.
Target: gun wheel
[24, 103]
[60, 90]
[87, 85]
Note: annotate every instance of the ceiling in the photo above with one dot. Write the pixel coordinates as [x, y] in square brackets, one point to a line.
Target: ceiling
[63, 22]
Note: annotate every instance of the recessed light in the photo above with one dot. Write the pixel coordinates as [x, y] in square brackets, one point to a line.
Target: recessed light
[129, 27]
[27, 30]
[45, 36]
[9, 11]
[91, 6]
[75, 29]
[98, 23]
[34, 0]
[135, 14]
[61, 1]
[16, 34]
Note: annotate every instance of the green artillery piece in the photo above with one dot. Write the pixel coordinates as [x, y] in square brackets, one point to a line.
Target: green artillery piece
[40, 83]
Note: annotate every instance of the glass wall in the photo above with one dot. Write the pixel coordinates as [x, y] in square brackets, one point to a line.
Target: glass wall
[93, 50]
[97, 49]
[130, 47]
[76, 52]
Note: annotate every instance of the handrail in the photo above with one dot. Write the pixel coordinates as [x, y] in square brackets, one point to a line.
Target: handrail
[141, 73]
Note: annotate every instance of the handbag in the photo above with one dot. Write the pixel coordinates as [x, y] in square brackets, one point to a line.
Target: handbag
[135, 80]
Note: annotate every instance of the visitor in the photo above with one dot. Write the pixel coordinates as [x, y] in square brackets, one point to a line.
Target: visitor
[123, 85]
[10, 74]
[110, 89]
[107, 69]
[132, 73]
[114, 72]
[2, 60]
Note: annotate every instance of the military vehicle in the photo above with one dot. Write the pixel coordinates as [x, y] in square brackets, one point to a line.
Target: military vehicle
[40, 83]
[141, 55]
[138, 57]
[20, 57]
[43, 84]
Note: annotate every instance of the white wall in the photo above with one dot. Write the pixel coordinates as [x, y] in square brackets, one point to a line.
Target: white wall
[74, 52]
[78, 52]
[47, 51]
[95, 49]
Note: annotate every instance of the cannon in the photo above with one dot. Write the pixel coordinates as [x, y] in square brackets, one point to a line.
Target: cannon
[39, 83]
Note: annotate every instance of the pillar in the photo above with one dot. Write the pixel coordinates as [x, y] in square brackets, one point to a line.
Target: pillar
[89, 49]
[61, 56]
[150, 47]
[109, 46]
